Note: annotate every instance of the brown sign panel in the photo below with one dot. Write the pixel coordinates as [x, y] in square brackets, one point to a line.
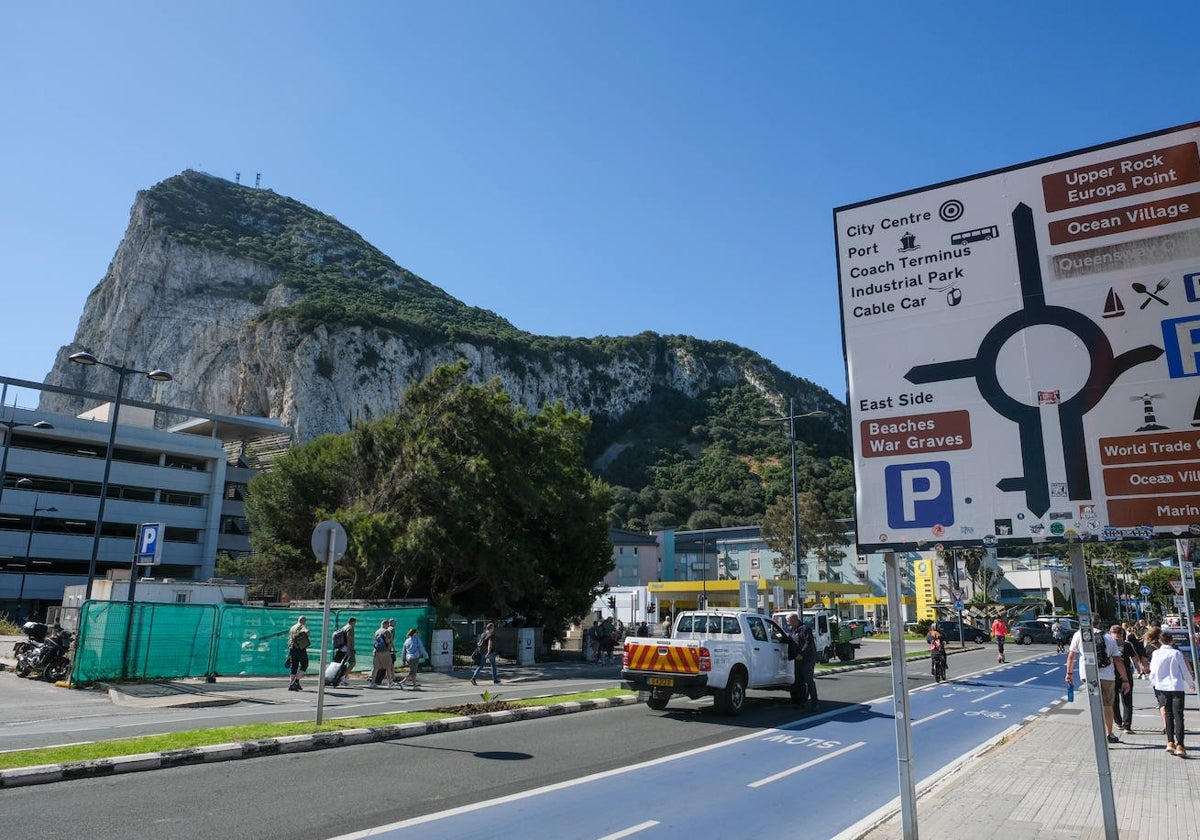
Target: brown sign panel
[1154, 510]
[1150, 449]
[1164, 211]
[1108, 180]
[1152, 479]
[941, 431]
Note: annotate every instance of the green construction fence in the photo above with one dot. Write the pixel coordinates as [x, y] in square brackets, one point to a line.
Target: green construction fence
[119, 640]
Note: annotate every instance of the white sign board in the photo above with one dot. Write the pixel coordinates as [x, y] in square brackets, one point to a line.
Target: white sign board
[1189, 574]
[1023, 350]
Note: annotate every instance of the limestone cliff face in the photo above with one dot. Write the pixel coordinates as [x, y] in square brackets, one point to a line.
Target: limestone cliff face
[254, 303]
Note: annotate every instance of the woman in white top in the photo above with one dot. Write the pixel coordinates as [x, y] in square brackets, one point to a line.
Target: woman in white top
[1171, 676]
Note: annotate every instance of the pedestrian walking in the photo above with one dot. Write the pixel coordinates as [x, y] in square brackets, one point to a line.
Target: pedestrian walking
[1108, 665]
[298, 642]
[1060, 635]
[999, 631]
[345, 651]
[413, 652]
[382, 669]
[1123, 700]
[485, 647]
[803, 650]
[1151, 641]
[1171, 676]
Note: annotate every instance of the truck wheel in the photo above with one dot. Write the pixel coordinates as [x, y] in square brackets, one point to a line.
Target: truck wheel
[826, 655]
[658, 702]
[732, 699]
[845, 651]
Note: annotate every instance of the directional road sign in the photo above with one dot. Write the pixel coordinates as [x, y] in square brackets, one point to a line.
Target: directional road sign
[1052, 392]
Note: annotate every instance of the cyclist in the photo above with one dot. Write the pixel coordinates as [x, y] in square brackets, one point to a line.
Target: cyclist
[937, 646]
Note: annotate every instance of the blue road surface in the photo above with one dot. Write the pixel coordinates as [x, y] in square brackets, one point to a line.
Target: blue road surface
[824, 773]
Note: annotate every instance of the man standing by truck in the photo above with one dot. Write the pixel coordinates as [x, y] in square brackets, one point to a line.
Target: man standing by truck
[803, 650]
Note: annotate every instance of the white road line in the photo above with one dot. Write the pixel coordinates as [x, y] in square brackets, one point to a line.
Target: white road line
[986, 696]
[805, 766]
[1025, 682]
[633, 829]
[931, 717]
[1051, 671]
[563, 785]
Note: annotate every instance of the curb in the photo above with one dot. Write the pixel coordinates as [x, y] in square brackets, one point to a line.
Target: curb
[48, 773]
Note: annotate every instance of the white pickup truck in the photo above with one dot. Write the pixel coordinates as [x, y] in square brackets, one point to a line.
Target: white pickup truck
[721, 652]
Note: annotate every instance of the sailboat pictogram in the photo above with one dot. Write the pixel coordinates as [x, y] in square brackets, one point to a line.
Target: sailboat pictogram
[1113, 308]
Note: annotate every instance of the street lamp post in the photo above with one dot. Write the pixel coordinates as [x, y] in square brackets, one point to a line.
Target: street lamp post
[28, 549]
[791, 418]
[9, 425]
[121, 371]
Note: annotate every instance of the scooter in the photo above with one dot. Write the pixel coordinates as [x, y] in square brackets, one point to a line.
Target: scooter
[50, 659]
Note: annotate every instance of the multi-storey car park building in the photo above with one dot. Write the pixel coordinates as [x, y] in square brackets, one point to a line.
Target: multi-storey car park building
[186, 470]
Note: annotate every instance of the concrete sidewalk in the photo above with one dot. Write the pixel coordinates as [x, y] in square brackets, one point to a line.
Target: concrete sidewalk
[1041, 782]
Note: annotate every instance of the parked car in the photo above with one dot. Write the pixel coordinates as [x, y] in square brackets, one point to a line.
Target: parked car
[1039, 630]
[971, 633]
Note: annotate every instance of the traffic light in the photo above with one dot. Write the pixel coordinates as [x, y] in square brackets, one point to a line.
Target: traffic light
[650, 609]
[612, 602]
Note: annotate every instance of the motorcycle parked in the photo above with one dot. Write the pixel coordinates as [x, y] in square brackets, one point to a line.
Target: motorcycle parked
[35, 633]
[50, 657]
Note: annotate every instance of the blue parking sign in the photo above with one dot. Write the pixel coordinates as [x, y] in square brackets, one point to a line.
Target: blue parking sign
[149, 544]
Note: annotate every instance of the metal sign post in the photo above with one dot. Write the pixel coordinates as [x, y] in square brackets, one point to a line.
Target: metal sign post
[1088, 634]
[1188, 583]
[329, 544]
[904, 745]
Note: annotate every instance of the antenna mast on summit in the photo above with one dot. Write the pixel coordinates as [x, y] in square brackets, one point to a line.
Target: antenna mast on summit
[257, 179]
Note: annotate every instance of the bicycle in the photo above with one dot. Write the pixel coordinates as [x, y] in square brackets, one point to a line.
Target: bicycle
[939, 665]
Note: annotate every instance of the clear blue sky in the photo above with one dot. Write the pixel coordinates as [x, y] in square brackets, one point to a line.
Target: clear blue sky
[580, 168]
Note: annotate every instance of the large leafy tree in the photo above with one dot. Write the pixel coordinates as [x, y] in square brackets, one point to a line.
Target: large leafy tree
[460, 496]
[819, 532]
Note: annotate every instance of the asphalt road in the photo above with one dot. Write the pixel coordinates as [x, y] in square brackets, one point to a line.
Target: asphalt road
[333, 792]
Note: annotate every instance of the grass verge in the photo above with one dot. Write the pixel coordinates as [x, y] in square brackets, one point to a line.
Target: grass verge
[247, 732]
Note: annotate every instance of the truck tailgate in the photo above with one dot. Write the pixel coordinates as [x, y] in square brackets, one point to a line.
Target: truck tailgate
[662, 657]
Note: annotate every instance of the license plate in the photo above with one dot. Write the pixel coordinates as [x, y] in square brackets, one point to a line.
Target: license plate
[661, 681]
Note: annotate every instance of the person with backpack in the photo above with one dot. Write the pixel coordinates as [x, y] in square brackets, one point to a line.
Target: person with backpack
[298, 642]
[1108, 664]
[1059, 634]
[1171, 676]
[382, 670]
[486, 650]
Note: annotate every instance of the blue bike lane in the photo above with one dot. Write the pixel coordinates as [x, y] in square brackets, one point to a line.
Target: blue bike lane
[823, 774]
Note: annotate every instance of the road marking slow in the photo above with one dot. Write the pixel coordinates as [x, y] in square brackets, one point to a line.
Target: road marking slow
[633, 829]
[805, 766]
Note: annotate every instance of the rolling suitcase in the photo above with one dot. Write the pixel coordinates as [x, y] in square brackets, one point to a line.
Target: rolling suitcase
[335, 672]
